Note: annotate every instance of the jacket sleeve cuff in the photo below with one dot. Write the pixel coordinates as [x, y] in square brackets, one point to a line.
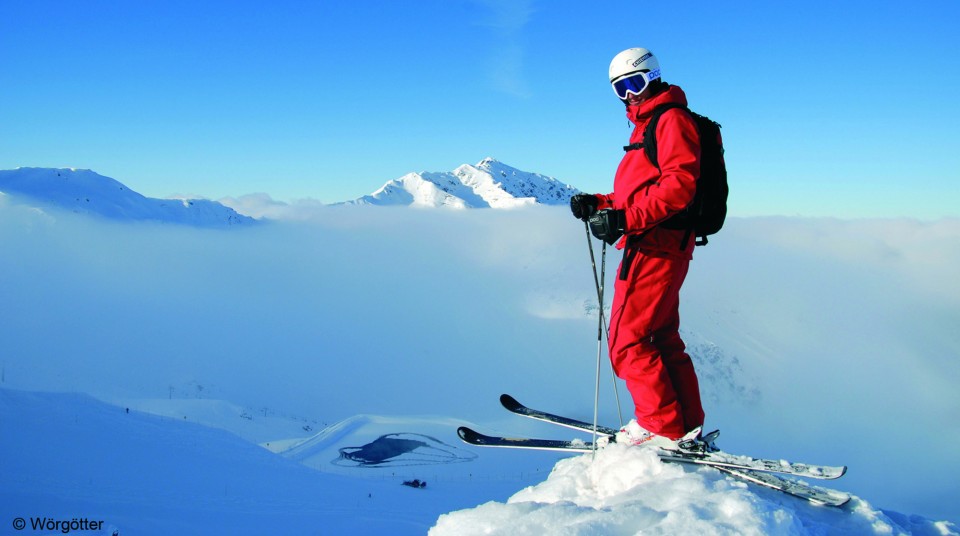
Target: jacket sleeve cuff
[606, 201]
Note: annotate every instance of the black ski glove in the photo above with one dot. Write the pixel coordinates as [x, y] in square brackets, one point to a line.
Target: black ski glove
[583, 206]
[608, 224]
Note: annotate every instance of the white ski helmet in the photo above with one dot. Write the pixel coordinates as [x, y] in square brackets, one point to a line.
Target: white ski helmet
[632, 70]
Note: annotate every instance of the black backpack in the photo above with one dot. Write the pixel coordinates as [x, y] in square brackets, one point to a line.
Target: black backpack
[705, 214]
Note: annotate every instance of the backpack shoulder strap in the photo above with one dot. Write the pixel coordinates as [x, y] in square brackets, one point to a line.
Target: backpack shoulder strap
[649, 143]
[650, 132]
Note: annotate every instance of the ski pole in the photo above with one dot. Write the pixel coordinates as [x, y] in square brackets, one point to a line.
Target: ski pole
[596, 395]
[606, 331]
[601, 324]
[603, 319]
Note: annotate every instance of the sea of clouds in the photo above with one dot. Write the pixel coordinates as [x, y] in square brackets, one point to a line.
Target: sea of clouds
[838, 338]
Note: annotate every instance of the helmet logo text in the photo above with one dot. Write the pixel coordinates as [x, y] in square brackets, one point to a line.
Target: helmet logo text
[642, 59]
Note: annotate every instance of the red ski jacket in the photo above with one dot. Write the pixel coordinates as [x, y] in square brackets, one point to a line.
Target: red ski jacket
[649, 195]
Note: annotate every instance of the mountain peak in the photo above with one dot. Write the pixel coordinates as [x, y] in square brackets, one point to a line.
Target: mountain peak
[87, 192]
[488, 184]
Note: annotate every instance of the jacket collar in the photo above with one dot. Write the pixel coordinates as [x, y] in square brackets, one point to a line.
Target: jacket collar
[639, 114]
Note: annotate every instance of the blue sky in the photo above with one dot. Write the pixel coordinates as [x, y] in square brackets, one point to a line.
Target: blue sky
[844, 109]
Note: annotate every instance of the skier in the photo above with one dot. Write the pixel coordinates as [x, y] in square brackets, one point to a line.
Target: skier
[644, 340]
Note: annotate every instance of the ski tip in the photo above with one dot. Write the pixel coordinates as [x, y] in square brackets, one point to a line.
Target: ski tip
[509, 402]
[832, 473]
[837, 498]
[469, 435]
[829, 497]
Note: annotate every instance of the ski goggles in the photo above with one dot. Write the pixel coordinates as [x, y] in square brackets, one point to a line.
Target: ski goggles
[634, 83]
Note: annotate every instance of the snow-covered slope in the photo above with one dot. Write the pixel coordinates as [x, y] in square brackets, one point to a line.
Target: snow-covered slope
[490, 184]
[68, 456]
[86, 192]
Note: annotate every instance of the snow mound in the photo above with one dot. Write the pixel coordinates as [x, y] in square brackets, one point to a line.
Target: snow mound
[630, 491]
[489, 184]
[86, 192]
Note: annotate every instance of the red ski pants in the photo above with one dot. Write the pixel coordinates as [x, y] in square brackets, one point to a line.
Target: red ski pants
[646, 349]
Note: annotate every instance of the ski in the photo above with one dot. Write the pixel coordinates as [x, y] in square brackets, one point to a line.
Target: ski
[795, 488]
[732, 461]
[512, 405]
[716, 459]
[713, 459]
[814, 495]
[473, 437]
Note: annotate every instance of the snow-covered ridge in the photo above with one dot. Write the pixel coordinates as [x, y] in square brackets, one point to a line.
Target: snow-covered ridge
[489, 184]
[86, 192]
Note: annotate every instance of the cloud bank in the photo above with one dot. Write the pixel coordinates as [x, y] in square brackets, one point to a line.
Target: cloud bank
[817, 339]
